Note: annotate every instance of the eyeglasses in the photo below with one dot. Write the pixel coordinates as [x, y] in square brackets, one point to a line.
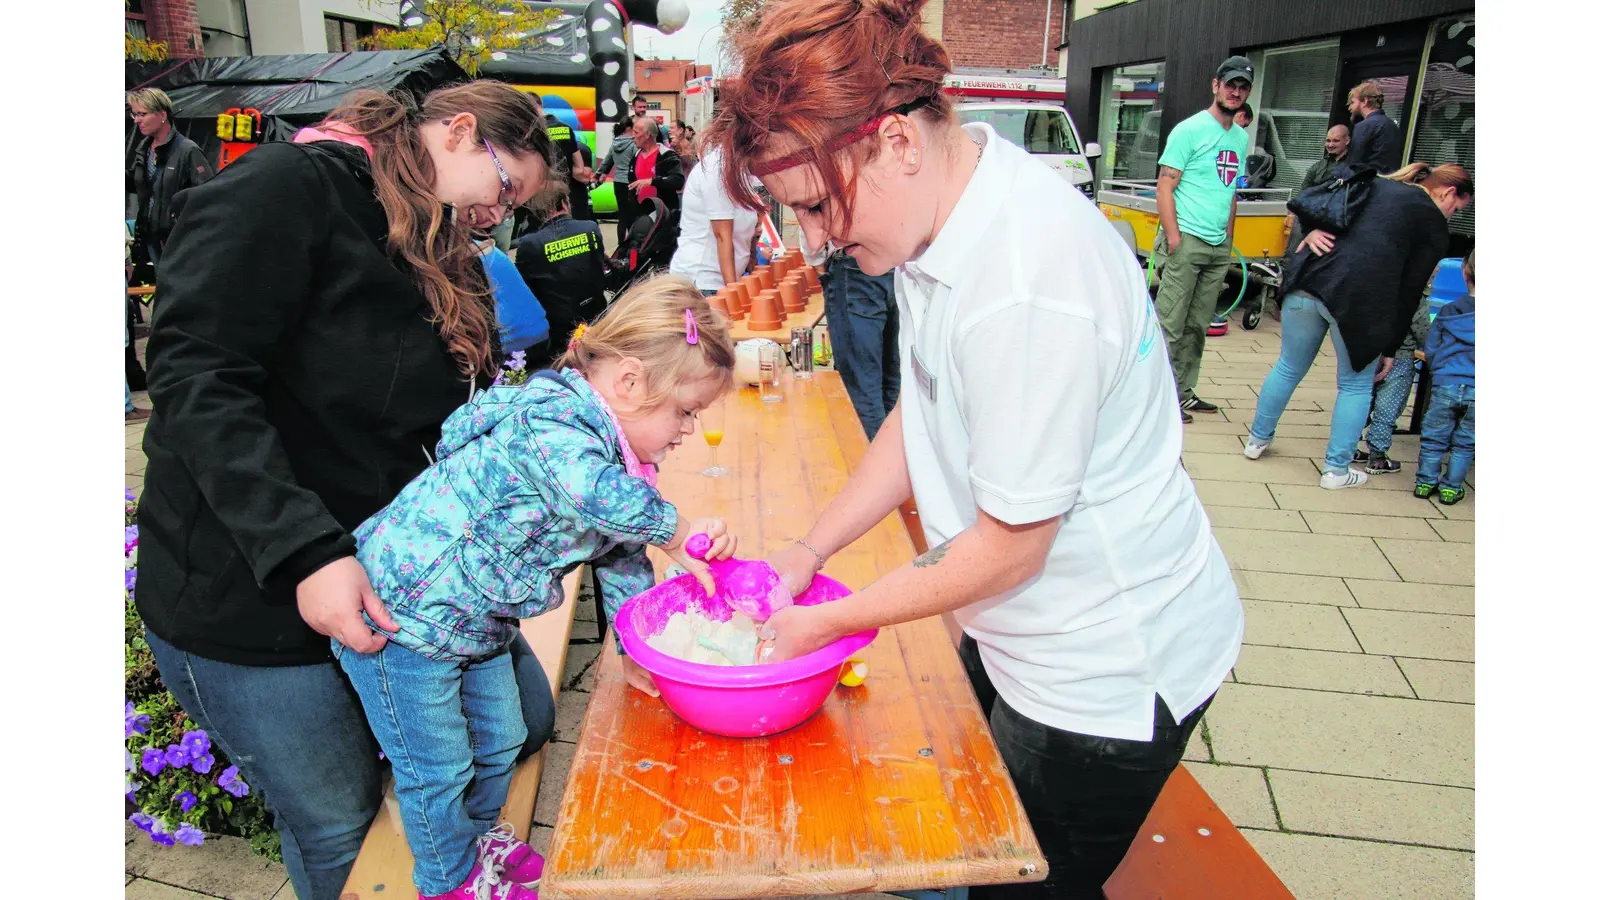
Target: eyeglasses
[508, 192]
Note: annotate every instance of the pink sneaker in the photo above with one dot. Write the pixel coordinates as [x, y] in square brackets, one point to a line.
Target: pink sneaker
[485, 882]
[517, 862]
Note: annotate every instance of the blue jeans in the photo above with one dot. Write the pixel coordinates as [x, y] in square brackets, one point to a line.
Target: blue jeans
[864, 326]
[1389, 400]
[1447, 426]
[451, 730]
[298, 735]
[1305, 322]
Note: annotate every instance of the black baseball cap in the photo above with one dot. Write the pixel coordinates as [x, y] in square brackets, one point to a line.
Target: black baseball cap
[1236, 67]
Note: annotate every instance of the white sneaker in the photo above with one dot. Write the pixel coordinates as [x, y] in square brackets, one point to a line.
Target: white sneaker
[1335, 482]
[1254, 448]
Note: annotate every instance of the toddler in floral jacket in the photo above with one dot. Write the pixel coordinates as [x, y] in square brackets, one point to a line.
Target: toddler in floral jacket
[530, 481]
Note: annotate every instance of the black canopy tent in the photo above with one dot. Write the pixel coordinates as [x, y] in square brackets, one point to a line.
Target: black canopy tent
[290, 91]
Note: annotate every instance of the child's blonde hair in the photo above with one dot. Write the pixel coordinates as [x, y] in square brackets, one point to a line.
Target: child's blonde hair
[647, 323]
[1467, 269]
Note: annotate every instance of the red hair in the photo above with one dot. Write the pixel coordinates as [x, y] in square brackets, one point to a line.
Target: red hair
[824, 73]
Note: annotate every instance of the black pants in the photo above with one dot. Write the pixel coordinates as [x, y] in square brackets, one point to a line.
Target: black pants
[1086, 796]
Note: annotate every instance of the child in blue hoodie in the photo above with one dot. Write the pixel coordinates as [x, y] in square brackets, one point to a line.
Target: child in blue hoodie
[530, 481]
[1447, 426]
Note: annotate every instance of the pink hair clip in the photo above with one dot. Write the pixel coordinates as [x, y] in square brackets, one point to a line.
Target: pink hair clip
[691, 329]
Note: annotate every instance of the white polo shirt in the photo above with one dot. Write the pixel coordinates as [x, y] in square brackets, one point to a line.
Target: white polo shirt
[705, 200]
[1040, 387]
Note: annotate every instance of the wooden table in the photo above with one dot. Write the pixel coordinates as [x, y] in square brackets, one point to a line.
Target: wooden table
[893, 785]
[740, 330]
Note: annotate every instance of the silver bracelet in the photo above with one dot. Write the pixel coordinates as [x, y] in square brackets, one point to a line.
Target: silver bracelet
[821, 560]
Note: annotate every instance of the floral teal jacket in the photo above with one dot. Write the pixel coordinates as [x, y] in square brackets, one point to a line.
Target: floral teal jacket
[529, 482]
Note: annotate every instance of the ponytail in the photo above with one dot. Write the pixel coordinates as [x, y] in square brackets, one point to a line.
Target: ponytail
[1441, 176]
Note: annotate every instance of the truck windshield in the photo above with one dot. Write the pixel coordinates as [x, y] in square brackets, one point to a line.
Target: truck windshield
[1041, 130]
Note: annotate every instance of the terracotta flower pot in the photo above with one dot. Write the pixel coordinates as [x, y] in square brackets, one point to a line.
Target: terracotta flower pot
[813, 283]
[719, 302]
[793, 293]
[764, 312]
[780, 268]
[764, 274]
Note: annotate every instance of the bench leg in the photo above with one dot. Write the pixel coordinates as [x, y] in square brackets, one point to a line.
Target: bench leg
[955, 893]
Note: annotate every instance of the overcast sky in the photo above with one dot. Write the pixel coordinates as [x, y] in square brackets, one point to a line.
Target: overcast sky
[690, 43]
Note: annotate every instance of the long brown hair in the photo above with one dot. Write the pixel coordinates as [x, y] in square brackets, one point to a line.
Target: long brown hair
[818, 70]
[439, 252]
[1432, 177]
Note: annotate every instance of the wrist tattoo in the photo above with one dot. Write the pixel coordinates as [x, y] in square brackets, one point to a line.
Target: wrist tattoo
[932, 557]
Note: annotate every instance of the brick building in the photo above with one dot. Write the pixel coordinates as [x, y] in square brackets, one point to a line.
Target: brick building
[661, 83]
[174, 21]
[1000, 34]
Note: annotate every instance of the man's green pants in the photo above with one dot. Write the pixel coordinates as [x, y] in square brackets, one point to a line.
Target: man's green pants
[1191, 280]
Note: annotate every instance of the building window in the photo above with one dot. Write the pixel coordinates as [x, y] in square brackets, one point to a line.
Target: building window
[136, 22]
[1293, 100]
[346, 34]
[1130, 121]
[1443, 130]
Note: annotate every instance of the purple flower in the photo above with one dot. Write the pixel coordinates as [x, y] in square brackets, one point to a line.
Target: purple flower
[133, 721]
[197, 743]
[230, 781]
[133, 764]
[130, 538]
[130, 577]
[130, 789]
[177, 757]
[127, 494]
[186, 800]
[203, 764]
[142, 821]
[153, 761]
[190, 835]
[162, 838]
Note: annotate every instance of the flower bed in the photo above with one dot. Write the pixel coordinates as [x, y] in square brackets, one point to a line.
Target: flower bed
[179, 786]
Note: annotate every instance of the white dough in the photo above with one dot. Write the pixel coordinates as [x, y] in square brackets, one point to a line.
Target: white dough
[694, 637]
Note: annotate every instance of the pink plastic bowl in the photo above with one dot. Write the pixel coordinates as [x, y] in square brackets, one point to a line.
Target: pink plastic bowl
[734, 701]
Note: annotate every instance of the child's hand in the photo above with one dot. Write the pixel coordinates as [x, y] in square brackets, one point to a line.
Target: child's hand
[638, 677]
[722, 542]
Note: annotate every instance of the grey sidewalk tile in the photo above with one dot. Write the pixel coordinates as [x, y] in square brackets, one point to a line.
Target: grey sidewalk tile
[1400, 811]
[1315, 867]
[1457, 530]
[222, 866]
[1437, 679]
[1370, 526]
[1292, 588]
[1412, 597]
[1305, 625]
[1357, 501]
[1320, 670]
[1236, 467]
[1345, 734]
[1414, 634]
[143, 889]
[1240, 792]
[1430, 562]
[1304, 554]
[1262, 519]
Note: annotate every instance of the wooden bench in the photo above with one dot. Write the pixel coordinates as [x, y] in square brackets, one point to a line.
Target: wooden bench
[383, 868]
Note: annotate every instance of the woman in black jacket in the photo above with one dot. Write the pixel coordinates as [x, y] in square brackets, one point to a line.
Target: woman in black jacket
[322, 311]
[1363, 285]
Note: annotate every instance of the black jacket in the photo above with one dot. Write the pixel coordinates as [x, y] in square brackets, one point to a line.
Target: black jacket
[185, 167]
[297, 386]
[1376, 274]
[564, 265]
[1376, 142]
[669, 177]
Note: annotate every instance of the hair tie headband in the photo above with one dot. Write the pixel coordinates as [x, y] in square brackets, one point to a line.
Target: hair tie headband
[691, 328]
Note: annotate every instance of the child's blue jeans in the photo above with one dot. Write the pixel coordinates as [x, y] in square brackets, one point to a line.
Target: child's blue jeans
[451, 731]
[1447, 426]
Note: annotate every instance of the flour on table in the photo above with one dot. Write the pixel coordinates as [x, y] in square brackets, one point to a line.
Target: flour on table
[698, 638]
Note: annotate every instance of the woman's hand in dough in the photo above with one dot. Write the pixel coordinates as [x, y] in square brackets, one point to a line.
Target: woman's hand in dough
[331, 600]
[796, 566]
[795, 631]
[638, 677]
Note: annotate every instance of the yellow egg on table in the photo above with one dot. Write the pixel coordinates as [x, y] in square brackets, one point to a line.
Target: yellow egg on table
[854, 672]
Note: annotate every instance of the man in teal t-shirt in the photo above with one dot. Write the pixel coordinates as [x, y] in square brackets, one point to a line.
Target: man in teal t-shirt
[1199, 172]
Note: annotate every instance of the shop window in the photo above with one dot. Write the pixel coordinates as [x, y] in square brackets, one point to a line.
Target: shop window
[1445, 116]
[1293, 99]
[1130, 121]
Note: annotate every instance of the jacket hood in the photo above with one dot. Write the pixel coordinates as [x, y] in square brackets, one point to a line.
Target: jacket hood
[494, 405]
[1459, 320]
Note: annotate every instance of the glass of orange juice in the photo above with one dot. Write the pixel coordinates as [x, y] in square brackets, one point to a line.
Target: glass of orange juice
[712, 419]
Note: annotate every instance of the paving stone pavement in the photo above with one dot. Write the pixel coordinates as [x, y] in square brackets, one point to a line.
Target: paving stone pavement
[1342, 744]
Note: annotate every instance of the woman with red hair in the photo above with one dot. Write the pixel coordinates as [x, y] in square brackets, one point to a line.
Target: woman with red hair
[1039, 434]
